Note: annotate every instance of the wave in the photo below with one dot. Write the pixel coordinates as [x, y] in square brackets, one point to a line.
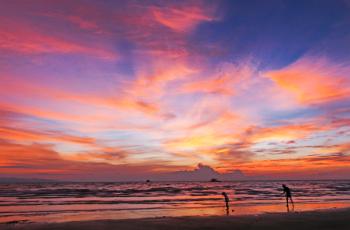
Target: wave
[194, 191]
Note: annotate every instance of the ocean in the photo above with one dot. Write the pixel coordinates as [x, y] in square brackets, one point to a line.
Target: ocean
[57, 202]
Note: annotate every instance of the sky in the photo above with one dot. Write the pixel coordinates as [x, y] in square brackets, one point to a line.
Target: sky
[127, 90]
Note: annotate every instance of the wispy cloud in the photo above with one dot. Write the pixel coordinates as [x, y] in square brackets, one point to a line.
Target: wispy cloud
[314, 80]
[183, 18]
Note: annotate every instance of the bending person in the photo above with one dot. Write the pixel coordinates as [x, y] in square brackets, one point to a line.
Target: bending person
[288, 195]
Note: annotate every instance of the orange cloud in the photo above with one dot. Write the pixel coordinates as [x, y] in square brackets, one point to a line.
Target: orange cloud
[311, 166]
[305, 163]
[215, 86]
[195, 142]
[215, 138]
[106, 154]
[218, 143]
[40, 161]
[159, 74]
[313, 80]
[15, 134]
[17, 158]
[196, 132]
[281, 133]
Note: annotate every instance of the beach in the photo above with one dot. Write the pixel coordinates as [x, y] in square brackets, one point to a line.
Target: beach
[69, 202]
[325, 219]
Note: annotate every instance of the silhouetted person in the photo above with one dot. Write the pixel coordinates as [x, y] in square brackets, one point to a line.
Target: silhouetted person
[288, 194]
[227, 200]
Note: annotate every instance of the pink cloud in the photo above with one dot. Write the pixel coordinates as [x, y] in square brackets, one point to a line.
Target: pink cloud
[182, 18]
[28, 89]
[25, 38]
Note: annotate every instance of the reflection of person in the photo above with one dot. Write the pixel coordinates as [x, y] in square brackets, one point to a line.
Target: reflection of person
[227, 200]
[288, 194]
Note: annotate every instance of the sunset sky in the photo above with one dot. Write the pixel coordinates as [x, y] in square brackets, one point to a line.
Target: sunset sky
[118, 90]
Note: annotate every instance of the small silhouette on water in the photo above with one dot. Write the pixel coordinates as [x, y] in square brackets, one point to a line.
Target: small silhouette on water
[227, 201]
[288, 194]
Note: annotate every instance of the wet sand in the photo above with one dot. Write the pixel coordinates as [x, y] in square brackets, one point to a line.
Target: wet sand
[318, 220]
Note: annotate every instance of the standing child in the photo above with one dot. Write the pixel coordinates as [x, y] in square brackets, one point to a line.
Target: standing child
[227, 200]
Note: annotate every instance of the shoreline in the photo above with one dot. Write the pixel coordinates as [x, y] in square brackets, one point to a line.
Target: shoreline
[335, 218]
[81, 214]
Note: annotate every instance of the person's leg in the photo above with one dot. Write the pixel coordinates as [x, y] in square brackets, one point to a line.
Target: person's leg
[287, 201]
[291, 200]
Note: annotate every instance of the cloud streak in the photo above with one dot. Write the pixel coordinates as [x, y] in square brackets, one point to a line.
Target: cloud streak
[25, 40]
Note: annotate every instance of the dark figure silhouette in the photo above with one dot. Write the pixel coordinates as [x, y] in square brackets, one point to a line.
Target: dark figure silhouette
[227, 200]
[288, 194]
